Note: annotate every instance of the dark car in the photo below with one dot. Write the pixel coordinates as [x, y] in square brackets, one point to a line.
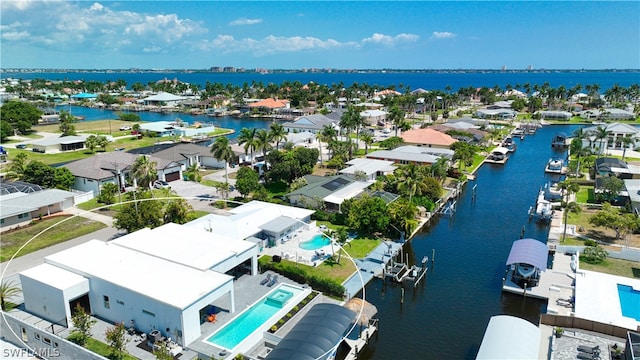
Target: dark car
[21, 146]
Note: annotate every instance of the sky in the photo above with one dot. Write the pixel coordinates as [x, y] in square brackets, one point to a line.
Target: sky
[319, 34]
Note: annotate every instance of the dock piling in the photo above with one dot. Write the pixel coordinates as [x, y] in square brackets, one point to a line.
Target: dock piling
[433, 256]
[402, 295]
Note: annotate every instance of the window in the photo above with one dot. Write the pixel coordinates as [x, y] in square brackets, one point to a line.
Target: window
[148, 312]
[120, 302]
[47, 341]
[106, 301]
[22, 216]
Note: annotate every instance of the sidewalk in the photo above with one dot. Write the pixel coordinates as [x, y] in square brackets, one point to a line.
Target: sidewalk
[91, 215]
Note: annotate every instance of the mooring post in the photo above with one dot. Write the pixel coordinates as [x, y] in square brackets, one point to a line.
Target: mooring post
[433, 256]
[522, 232]
[401, 295]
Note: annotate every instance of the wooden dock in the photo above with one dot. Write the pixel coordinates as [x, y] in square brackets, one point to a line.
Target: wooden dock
[361, 342]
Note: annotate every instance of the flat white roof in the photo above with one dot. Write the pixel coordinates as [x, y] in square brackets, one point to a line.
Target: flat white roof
[185, 245]
[597, 298]
[54, 276]
[175, 284]
[265, 207]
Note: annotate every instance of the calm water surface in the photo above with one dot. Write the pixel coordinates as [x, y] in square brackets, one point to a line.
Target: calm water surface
[445, 317]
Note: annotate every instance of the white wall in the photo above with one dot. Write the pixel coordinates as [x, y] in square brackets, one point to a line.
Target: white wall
[191, 315]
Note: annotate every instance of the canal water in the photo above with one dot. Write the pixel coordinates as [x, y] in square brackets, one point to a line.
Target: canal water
[226, 122]
[446, 315]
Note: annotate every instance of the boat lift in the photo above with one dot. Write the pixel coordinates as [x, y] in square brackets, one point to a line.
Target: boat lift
[449, 208]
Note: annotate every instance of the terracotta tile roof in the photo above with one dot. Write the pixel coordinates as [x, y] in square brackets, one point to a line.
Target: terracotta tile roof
[427, 136]
[270, 103]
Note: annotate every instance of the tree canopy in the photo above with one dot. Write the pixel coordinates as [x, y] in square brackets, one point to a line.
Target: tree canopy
[20, 115]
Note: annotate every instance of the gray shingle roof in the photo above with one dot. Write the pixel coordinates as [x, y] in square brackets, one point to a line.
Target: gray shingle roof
[29, 202]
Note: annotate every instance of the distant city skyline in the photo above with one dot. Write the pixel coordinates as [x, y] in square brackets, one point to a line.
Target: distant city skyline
[320, 35]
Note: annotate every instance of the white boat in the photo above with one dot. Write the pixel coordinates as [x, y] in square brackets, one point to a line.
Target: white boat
[555, 166]
[543, 209]
[552, 191]
[498, 155]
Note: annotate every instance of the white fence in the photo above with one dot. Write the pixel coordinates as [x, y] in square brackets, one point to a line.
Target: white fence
[82, 196]
[631, 254]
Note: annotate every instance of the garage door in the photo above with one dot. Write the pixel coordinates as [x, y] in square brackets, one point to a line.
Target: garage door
[172, 176]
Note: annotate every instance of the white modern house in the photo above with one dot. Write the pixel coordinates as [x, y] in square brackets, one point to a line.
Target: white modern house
[310, 123]
[371, 168]
[153, 279]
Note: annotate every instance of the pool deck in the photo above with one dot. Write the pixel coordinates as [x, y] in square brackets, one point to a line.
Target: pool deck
[291, 250]
[247, 290]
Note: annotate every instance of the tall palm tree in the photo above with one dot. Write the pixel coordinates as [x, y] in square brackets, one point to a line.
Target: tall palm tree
[601, 134]
[410, 180]
[626, 141]
[144, 171]
[263, 143]
[277, 133]
[327, 135]
[577, 147]
[222, 151]
[568, 188]
[396, 116]
[348, 121]
[367, 139]
[247, 138]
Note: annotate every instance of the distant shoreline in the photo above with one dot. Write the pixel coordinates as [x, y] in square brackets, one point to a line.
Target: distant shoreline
[312, 71]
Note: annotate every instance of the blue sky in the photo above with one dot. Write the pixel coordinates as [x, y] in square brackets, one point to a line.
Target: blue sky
[319, 34]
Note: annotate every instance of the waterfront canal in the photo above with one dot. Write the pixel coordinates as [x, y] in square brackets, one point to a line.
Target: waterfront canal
[446, 315]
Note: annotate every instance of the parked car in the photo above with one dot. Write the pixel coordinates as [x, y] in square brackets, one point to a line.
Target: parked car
[125, 128]
[159, 184]
[21, 146]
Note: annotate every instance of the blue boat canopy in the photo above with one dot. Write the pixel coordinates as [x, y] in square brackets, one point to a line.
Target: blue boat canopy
[529, 251]
[317, 333]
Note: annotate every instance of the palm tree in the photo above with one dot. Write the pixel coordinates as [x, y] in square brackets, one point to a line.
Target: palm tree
[263, 143]
[367, 139]
[578, 136]
[222, 151]
[350, 120]
[247, 138]
[17, 167]
[567, 188]
[410, 180]
[626, 141]
[144, 171]
[7, 291]
[277, 133]
[601, 134]
[327, 135]
[396, 116]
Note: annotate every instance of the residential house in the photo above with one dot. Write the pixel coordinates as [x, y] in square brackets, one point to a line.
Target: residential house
[617, 131]
[310, 123]
[22, 202]
[554, 114]
[163, 99]
[412, 154]
[269, 105]
[475, 135]
[370, 168]
[59, 144]
[428, 137]
[327, 191]
[115, 167]
[496, 114]
[374, 117]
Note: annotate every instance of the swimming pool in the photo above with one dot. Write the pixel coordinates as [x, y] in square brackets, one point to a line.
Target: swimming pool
[317, 241]
[256, 318]
[629, 301]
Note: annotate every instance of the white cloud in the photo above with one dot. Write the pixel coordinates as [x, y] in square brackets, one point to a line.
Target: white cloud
[442, 35]
[270, 44]
[243, 21]
[388, 40]
[83, 26]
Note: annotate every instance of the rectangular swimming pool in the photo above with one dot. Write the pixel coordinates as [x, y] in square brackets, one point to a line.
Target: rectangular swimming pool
[260, 315]
[629, 301]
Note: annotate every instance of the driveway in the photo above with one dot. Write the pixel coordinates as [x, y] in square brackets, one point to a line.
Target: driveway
[198, 195]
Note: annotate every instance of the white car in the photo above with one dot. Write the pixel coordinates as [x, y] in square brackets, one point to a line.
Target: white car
[125, 128]
[159, 184]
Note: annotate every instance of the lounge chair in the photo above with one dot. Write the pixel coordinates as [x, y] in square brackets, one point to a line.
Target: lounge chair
[266, 280]
[585, 356]
[273, 280]
[589, 349]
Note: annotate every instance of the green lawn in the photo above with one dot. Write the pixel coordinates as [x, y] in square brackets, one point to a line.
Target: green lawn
[618, 267]
[585, 195]
[103, 349]
[12, 241]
